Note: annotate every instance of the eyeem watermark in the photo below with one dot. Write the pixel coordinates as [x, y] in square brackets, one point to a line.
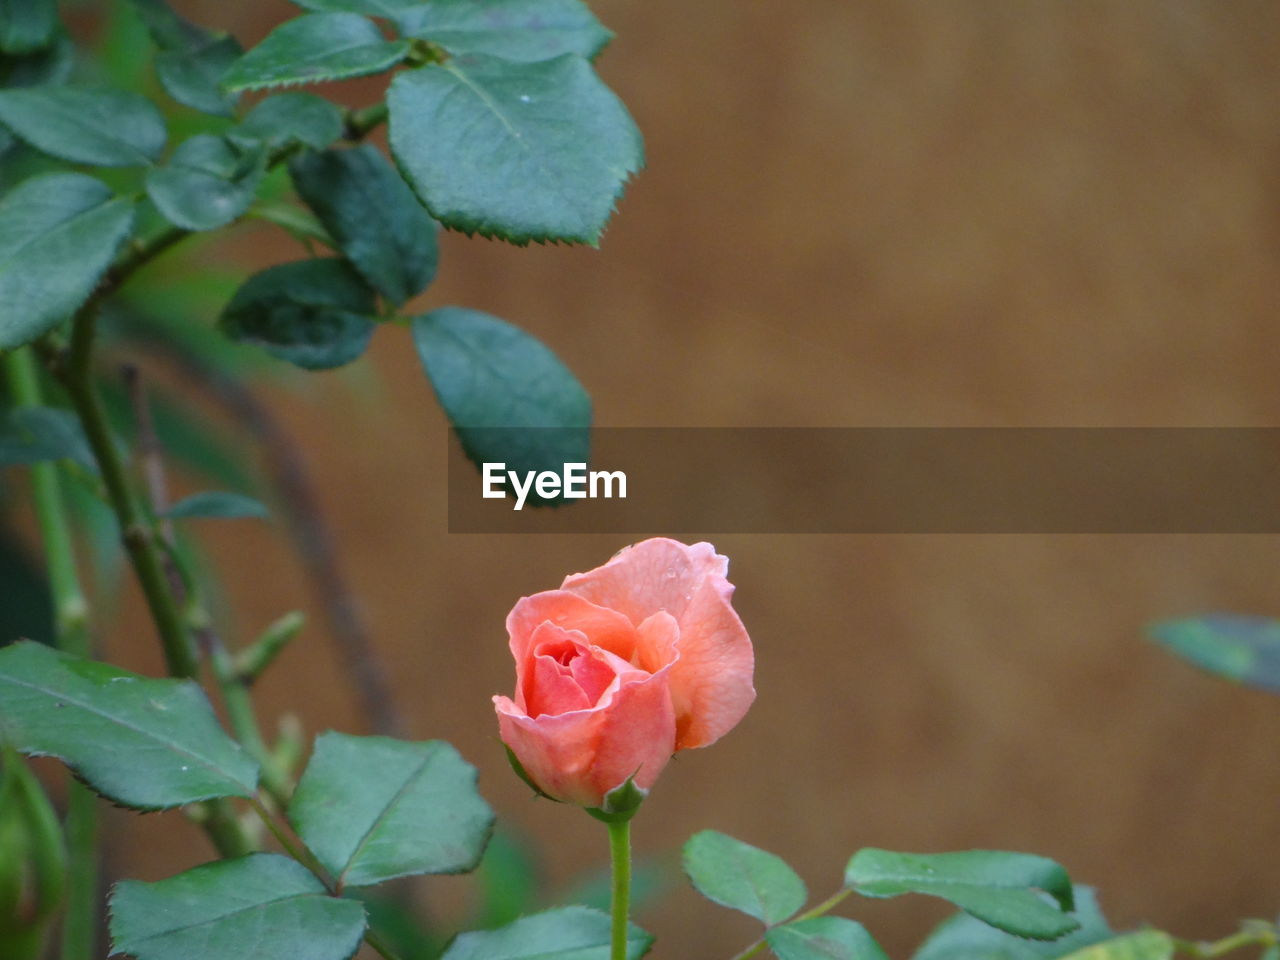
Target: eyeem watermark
[573, 482]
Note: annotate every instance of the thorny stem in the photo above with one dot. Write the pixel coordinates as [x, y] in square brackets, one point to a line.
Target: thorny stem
[71, 634]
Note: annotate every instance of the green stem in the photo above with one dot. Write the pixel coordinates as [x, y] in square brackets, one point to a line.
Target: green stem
[244, 721]
[1261, 934]
[71, 634]
[381, 946]
[834, 900]
[620, 902]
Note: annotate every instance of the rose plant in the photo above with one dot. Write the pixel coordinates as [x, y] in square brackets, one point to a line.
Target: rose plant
[497, 125]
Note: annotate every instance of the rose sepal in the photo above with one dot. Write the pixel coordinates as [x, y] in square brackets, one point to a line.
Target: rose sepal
[621, 803]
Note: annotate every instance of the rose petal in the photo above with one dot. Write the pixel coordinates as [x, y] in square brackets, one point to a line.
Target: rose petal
[604, 628]
[711, 682]
[656, 574]
[580, 756]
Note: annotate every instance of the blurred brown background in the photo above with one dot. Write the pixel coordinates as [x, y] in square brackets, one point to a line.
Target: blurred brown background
[865, 213]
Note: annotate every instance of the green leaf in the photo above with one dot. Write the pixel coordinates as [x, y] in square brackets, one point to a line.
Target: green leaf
[512, 29]
[35, 434]
[168, 30]
[742, 877]
[260, 907]
[208, 182]
[27, 25]
[998, 888]
[1241, 648]
[824, 938]
[143, 743]
[193, 77]
[293, 116]
[105, 128]
[217, 504]
[570, 933]
[373, 215]
[49, 65]
[314, 48]
[509, 397]
[1140, 945]
[58, 234]
[963, 937]
[519, 151]
[372, 809]
[313, 313]
[373, 8]
[28, 607]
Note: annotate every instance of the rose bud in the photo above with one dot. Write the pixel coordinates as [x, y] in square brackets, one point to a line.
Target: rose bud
[623, 666]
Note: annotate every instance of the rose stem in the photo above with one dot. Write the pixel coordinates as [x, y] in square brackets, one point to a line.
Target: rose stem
[620, 855]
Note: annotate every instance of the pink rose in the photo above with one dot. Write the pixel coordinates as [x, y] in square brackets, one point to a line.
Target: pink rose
[623, 666]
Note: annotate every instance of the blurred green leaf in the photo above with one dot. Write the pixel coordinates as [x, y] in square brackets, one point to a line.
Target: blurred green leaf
[167, 29]
[519, 151]
[1140, 945]
[208, 182]
[299, 223]
[375, 218]
[193, 77]
[398, 924]
[315, 314]
[105, 128]
[1241, 648]
[824, 938]
[50, 65]
[509, 880]
[742, 877]
[27, 25]
[569, 932]
[27, 611]
[508, 396]
[293, 116]
[251, 908]
[221, 504]
[315, 48]
[34, 434]
[33, 858]
[373, 808]
[997, 887]
[58, 234]
[143, 743]
[963, 937]
[374, 8]
[512, 29]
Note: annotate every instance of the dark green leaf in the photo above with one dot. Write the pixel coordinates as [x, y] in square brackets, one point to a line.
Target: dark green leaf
[34, 434]
[512, 29]
[998, 888]
[373, 8]
[140, 742]
[217, 503]
[962, 937]
[570, 933]
[737, 875]
[520, 151]
[27, 25]
[208, 182]
[1241, 648]
[299, 223]
[28, 608]
[259, 907]
[313, 313]
[1140, 945]
[168, 30]
[50, 65]
[373, 215]
[508, 880]
[313, 48]
[373, 808]
[824, 938]
[293, 116]
[193, 77]
[58, 234]
[106, 128]
[509, 397]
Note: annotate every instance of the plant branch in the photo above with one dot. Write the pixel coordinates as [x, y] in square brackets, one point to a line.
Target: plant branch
[832, 901]
[71, 634]
[310, 532]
